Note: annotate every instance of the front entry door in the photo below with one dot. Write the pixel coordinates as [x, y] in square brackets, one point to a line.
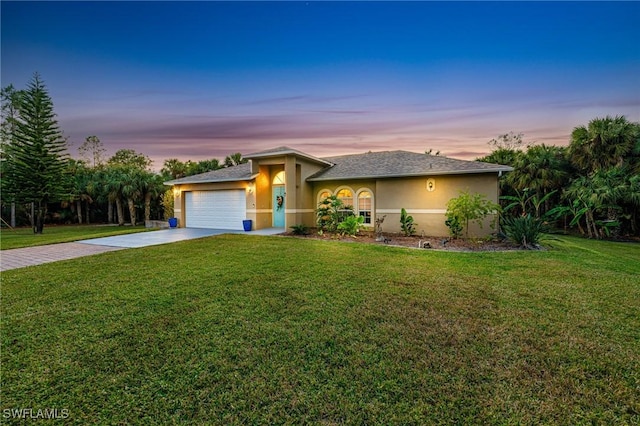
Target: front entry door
[278, 206]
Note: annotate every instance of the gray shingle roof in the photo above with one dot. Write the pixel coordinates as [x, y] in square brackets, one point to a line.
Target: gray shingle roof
[383, 164]
[399, 163]
[228, 174]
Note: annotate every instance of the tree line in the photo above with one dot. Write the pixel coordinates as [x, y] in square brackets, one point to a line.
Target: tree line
[592, 185]
[41, 182]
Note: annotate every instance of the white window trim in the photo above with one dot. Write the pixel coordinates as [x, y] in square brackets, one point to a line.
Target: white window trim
[357, 205]
[340, 188]
[319, 199]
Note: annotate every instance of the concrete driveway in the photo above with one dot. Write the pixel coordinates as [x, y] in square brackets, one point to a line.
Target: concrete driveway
[29, 256]
[152, 238]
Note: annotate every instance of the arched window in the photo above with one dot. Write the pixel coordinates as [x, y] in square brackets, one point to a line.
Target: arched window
[323, 194]
[346, 196]
[279, 178]
[365, 205]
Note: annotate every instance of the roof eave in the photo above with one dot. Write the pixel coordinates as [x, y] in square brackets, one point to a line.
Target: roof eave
[183, 182]
[434, 173]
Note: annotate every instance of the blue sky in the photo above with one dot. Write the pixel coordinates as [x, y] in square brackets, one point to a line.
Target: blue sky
[196, 80]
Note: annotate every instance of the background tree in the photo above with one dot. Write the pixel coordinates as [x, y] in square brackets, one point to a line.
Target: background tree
[603, 143]
[80, 176]
[538, 172]
[36, 156]
[204, 166]
[92, 151]
[10, 99]
[130, 158]
[509, 141]
[114, 178]
[173, 169]
[152, 188]
[234, 160]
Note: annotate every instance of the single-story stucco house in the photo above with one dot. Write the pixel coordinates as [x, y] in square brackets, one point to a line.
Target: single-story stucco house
[282, 187]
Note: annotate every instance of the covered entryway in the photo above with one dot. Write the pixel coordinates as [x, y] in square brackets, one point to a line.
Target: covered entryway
[224, 209]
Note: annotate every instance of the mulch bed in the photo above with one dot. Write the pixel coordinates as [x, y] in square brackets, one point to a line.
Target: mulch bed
[423, 242]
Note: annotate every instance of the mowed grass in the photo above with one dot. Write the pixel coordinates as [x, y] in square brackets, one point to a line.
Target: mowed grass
[243, 329]
[24, 237]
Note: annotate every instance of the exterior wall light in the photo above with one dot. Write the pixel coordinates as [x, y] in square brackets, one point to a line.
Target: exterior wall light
[431, 185]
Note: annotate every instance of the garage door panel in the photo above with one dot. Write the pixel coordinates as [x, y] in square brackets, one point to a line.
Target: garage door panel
[215, 209]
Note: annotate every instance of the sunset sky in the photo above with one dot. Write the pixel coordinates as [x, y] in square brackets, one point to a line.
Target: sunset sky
[200, 80]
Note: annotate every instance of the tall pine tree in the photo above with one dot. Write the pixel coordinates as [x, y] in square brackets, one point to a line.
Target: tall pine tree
[36, 158]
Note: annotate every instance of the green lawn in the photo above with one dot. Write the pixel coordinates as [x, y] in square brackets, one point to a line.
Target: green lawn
[240, 329]
[24, 237]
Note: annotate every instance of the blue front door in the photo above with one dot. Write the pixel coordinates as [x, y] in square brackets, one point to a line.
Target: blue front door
[278, 206]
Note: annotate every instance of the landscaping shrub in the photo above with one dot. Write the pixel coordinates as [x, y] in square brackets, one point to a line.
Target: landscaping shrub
[525, 231]
[328, 213]
[468, 208]
[300, 229]
[455, 228]
[351, 225]
[407, 224]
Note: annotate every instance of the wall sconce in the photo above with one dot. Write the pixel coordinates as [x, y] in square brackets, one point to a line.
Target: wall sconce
[176, 191]
[431, 185]
[250, 188]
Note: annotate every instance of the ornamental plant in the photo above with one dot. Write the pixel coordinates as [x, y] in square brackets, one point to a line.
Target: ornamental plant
[467, 208]
[526, 231]
[407, 224]
[328, 213]
[351, 225]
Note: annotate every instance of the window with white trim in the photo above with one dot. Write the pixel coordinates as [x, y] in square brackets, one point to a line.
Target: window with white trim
[323, 194]
[346, 196]
[365, 206]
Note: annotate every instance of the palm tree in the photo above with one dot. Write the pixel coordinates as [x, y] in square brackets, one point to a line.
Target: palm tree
[82, 188]
[540, 171]
[604, 143]
[234, 160]
[114, 182]
[132, 190]
[152, 188]
[173, 169]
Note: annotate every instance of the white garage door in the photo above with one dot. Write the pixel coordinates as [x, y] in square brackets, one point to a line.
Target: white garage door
[215, 209]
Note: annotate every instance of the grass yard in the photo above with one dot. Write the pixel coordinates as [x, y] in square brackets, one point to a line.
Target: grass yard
[24, 237]
[241, 329]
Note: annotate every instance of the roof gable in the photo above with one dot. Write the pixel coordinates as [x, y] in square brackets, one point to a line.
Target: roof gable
[285, 150]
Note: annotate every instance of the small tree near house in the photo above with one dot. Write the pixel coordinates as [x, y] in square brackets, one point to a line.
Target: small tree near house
[467, 208]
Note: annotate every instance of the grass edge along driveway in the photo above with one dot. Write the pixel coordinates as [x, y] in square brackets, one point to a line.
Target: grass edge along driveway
[24, 237]
[240, 329]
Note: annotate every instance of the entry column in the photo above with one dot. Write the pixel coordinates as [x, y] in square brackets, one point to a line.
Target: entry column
[290, 190]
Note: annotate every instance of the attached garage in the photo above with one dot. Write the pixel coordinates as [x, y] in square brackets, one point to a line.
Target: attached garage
[225, 209]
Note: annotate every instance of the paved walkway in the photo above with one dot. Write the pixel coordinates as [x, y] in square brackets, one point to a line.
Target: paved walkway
[29, 256]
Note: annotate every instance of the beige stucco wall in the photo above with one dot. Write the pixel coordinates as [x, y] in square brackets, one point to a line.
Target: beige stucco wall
[427, 207]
